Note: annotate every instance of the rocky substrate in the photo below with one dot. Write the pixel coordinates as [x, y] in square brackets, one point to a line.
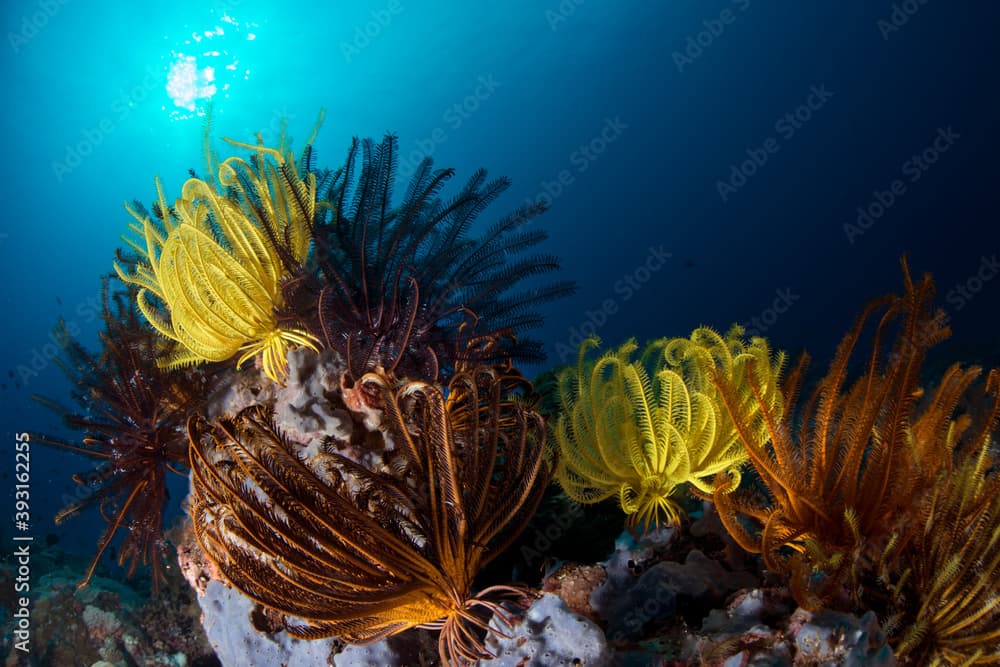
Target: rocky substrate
[106, 623]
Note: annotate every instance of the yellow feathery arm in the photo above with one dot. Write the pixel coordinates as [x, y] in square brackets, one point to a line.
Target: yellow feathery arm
[294, 207]
[132, 244]
[647, 456]
[273, 348]
[145, 230]
[161, 325]
[604, 398]
[219, 324]
[707, 486]
[581, 478]
[139, 217]
[193, 274]
[704, 436]
[270, 152]
[179, 357]
[707, 341]
[168, 224]
[139, 229]
[245, 241]
[582, 438]
[678, 468]
[575, 455]
[673, 407]
[315, 130]
[142, 278]
[195, 344]
[245, 299]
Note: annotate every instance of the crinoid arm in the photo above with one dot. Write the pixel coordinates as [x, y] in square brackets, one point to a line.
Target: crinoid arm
[402, 279]
[640, 429]
[211, 273]
[130, 416]
[364, 554]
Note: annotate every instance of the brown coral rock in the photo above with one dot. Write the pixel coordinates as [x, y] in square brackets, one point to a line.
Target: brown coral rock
[574, 583]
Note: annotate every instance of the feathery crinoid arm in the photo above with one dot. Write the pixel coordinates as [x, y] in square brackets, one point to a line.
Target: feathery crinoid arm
[955, 554]
[341, 549]
[737, 382]
[212, 276]
[404, 278]
[845, 474]
[639, 428]
[591, 429]
[129, 417]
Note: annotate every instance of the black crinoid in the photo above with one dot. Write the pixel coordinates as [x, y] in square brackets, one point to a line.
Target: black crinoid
[406, 287]
[132, 416]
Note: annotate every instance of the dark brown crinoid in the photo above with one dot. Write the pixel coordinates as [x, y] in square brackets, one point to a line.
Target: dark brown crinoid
[344, 550]
[402, 279]
[132, 416]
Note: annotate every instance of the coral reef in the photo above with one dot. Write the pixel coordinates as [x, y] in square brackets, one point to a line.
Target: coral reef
[110, 622]
[227, 617]
[548, 634]
[574, 583]
[756, 629]
[341, 549]
[354, 490]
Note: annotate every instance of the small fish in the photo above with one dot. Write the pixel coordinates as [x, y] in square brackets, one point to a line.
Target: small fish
[58, 300]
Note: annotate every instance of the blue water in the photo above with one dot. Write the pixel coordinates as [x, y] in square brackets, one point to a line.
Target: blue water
[702, 158]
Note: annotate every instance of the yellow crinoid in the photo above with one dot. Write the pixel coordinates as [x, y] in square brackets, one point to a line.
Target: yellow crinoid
[638, 429]
[210, 270]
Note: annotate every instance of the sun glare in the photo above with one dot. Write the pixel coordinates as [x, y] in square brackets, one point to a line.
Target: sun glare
[205, 65]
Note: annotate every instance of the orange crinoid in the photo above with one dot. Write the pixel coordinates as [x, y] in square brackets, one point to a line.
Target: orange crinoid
[340, 549]
[844, 473]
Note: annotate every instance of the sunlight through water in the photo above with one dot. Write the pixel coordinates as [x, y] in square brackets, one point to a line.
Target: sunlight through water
[206, 66]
